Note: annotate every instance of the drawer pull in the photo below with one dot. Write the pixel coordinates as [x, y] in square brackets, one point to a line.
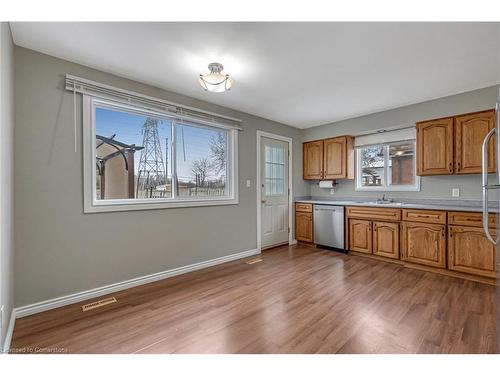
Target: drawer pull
[424, 216]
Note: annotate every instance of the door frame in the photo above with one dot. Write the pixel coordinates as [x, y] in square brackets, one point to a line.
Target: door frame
[260, 135]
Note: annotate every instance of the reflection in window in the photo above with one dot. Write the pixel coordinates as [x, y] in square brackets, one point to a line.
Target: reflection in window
[275, 170]
[401, 164]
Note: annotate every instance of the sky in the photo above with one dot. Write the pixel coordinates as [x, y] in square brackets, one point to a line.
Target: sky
[128, 129]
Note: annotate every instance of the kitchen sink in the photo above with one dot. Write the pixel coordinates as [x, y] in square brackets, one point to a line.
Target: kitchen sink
[384, 203]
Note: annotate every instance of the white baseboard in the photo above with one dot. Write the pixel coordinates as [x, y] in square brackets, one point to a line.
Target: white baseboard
[293, 242]
[10, 331]
[92, 293]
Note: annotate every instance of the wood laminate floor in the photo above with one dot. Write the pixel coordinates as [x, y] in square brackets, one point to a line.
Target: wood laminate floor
[297, 300]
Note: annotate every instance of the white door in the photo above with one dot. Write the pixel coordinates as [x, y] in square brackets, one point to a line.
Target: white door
[274, 195]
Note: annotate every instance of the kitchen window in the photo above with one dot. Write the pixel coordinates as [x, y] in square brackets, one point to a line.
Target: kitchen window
[387, 166]
[137, 158]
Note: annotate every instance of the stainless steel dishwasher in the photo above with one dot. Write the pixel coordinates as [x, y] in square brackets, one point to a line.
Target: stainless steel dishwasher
[329, 226]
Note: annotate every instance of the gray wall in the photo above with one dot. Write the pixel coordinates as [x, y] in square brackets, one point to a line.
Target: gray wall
[6, 176]
[431, 187]
[60, 250]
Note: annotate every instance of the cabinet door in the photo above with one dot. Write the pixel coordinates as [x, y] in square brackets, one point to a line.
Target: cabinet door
[312, 153]
[334, 158]
[470, 251]
[304, 226]
[386, 239]
[470, 131]
[360, 235]
[424, 244]
[435, 147]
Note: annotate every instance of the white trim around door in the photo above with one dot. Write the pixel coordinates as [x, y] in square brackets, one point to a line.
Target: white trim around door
[260, 135]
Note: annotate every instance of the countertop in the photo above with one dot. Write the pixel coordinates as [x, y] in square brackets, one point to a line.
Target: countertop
[423, 204]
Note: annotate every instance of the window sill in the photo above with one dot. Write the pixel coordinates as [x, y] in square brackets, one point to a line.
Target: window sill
[388, 190]
[120, 205]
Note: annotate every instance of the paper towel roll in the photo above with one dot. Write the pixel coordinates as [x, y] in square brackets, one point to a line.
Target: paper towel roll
[329, 184]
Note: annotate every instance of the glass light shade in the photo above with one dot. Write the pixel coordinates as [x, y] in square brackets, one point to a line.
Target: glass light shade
[215, 81]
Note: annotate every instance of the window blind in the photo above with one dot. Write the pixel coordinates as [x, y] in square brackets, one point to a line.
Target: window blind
[389, 136]
[96, 89]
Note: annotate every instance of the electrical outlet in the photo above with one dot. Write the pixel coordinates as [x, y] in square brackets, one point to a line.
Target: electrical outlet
[249, 183]
[455, 192]
[332, 191]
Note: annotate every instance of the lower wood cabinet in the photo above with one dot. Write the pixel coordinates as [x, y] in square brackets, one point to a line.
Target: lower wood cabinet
[360, 235]
[386, 239]
[424, 244]
[470, 251]
[304, 226]
[436, 238]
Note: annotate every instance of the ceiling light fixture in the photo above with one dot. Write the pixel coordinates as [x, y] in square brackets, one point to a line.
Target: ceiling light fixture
[215, 81]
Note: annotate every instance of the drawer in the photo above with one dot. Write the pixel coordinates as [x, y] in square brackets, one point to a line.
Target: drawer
[303, 207]
[391, 214]
[470, 219]
[425, 216]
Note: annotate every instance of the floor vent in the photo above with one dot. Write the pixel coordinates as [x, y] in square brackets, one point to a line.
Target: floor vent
[253, 261]
[100, 303]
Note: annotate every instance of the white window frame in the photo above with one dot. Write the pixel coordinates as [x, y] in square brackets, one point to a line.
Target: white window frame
[92, 204]
[386, 187]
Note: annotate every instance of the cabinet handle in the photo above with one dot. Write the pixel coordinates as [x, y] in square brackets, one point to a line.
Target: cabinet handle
[442, 231]
[451, 167]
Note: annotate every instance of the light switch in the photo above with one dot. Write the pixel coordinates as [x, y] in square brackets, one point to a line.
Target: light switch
[249, 183]
[455, 192]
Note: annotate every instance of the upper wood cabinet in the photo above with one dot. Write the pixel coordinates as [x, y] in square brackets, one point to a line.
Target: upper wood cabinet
[329, 159]
[336, 158]
[435, 147]
[312, 155]
[470, 131]
[453, 144]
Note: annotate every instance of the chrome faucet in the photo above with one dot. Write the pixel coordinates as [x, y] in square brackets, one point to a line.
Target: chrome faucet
[384, 200]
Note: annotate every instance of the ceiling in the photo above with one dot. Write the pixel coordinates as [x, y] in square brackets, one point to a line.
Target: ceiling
[300, 74]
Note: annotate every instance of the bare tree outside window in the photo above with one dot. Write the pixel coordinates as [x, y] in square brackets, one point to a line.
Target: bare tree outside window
[372, 164]
[218, 148]
[202, 165]
[201, 169]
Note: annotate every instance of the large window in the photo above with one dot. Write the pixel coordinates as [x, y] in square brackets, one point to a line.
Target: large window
[387, 167]
[136, 158]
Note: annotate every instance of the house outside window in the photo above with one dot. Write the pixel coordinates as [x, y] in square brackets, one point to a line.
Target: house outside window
[386, 163]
